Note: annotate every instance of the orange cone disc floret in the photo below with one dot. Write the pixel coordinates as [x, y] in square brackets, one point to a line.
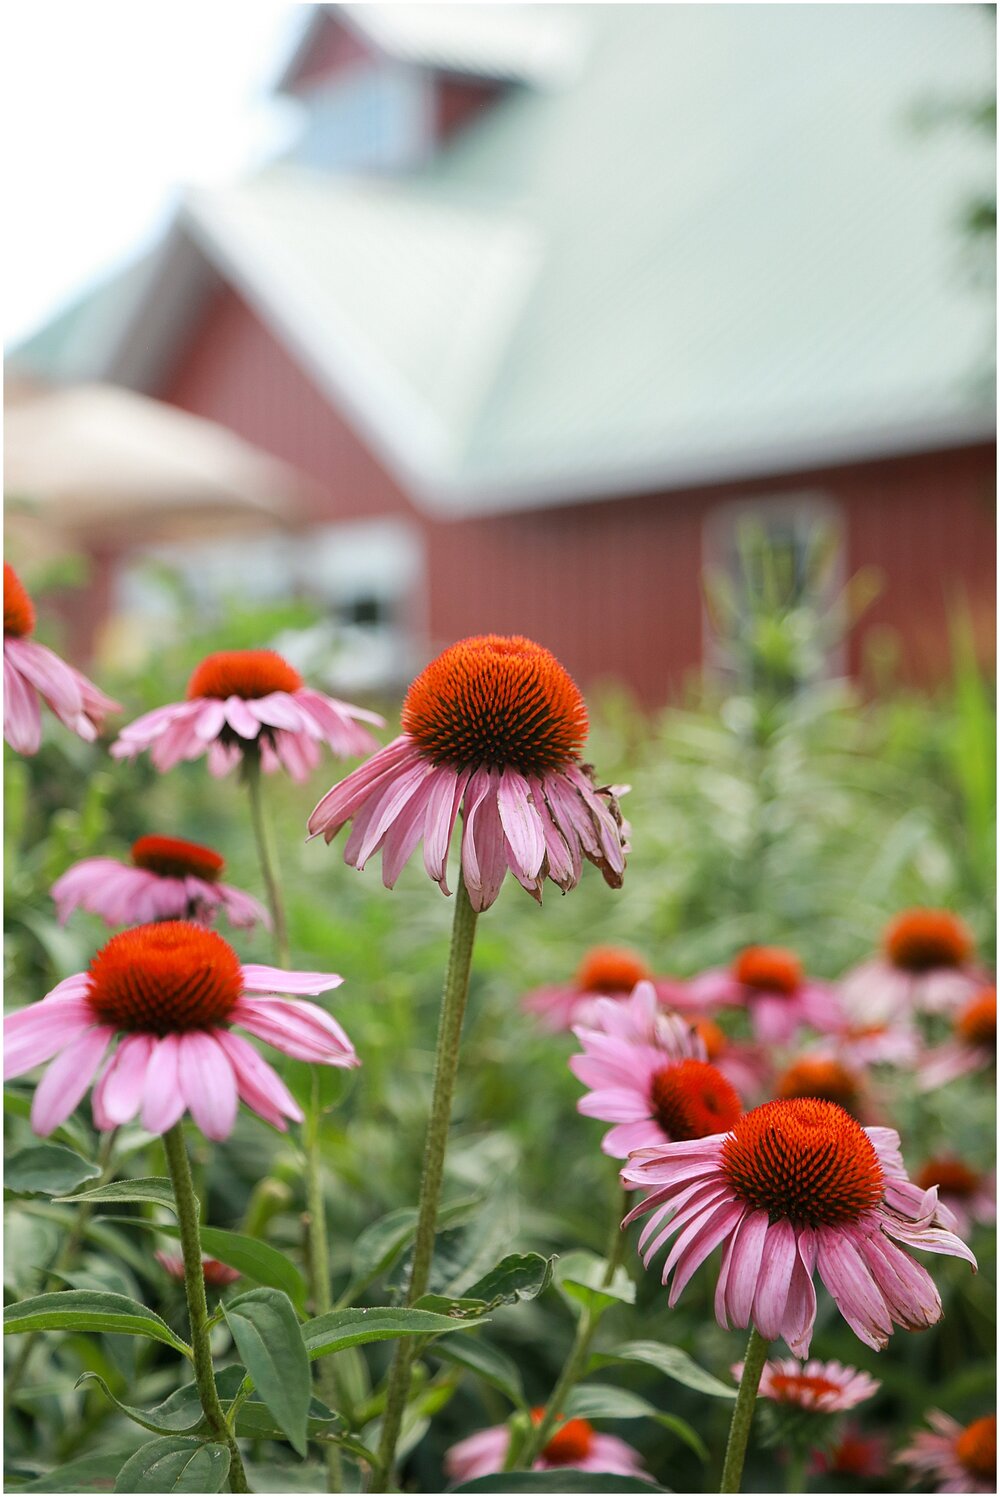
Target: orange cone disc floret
[172, 857]
[571, 1443]
[711, 1036]
[610, 969]
[977, 1023]
[789, 1387]
[950, 1175]
[770, 969]
[805, 1160]
[165, 979]
[820, 1076]
[692, 1100]
[18, 609]
[976, 1447]
[497, 702]
[920, 940]
[242, 673]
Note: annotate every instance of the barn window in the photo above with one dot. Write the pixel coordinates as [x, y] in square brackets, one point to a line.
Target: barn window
[774, 574]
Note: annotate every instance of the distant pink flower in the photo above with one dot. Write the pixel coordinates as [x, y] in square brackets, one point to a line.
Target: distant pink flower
[794, 1188]
[855, 1454]
[493, 727]
[575, 1446]
[953, 1458]
[243, 698]
[606, 972]
[217, 1275]
[172, 990]
[970, 1195]
[973, 1046]
[768, 981]
[31, 671]
[648, 1074]
[827, 1387]
[927, 963]
[167, 879]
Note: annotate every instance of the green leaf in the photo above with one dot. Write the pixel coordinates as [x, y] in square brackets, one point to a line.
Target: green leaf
[669, 1360]
[178, 1414]
[602, 1401]
[456, 1309]
[256, 1260]
[580, 1276]
[492, 1365]
[562, 1479]
[155, 1189]
[47, 1169]
[270, 1345]
[339, 1328]
[86, 1310]
[177, 1464]
[89, 1473]
[379, 1245]
[516, 1277]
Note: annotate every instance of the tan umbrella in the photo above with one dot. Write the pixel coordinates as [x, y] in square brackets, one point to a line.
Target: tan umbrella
[106, 467]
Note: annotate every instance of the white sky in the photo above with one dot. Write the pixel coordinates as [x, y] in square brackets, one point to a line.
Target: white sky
[107, 107]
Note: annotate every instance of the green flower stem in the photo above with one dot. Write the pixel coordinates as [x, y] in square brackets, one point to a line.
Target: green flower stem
[194, 1287]
[796, 1475]
[746, 1398]
[319, 1267]
[63, 1259]
[576, 1361]
[453, 1001]
[268, 866]
[319, 1253]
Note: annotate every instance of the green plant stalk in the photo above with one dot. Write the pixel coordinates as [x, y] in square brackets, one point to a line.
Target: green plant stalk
[268, 865]
[319, 1253]
[576, 1361]
[746, 1399]
[63, 1260]
[453, 1001]
[319, 1267]
[194, 1288]
[796, 1474]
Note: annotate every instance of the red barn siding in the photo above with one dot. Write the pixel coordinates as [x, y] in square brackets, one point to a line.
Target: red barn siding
[235, 372]
[457, 101]
[613, 587]
[334, 49]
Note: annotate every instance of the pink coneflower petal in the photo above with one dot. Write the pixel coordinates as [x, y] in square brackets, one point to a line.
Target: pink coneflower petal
[208, 1083]
[520, 822]
[120, 1091]
[746, 1252]
[300, 1029]
[163, 1101]
[261, 1088]
[35, 1034]
[54, 679]
[68, 1077]
[22, 716]
[774, 1279]
[262, 979]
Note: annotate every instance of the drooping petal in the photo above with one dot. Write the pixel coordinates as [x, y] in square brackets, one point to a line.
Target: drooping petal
[208, 1083]
[35, 1034]
[67, 1078]
[163, 1101]
[22, 716]
[521, 824]
[774, 1279]
[852, 1286]
[744, 1269]
[261, 1088]
[120, 1091]
[303, 1030]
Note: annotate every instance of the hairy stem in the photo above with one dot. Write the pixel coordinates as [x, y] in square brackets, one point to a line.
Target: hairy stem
[194, 1288]
[453, 1000]
[746, 1398]
[319, 1268]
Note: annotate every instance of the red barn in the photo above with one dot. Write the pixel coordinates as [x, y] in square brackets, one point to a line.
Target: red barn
[547, 298]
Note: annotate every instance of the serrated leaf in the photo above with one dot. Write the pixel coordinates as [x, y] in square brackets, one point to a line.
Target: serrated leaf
[519, 1276]
[669, 1360]
[154, 1189]
[339, 1328]
[254, 1259]
[177, 1464]
[561, 1479]
[86, 1310]
[46, 1169]
[492, 1365]
[270, 1345]
[580, 1276]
